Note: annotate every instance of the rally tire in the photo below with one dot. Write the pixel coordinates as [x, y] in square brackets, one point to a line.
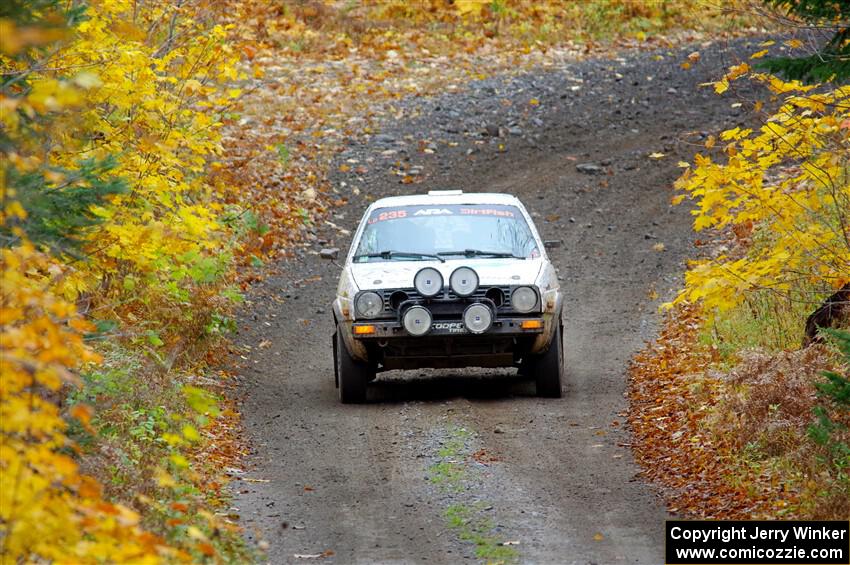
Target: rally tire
[352, 375]
[548, 368]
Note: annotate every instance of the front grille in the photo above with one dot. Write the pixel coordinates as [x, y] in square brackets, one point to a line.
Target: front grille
[446, 296]
[481, 292]
[411, 293]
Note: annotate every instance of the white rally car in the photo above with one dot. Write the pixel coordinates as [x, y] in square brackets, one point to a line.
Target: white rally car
[447, 280]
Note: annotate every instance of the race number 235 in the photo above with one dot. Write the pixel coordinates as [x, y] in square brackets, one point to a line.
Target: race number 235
[392, 215]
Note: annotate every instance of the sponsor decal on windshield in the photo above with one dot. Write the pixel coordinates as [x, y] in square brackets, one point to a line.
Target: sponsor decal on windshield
[402, 212]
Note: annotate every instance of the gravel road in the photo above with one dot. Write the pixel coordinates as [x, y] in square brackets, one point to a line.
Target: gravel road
[367, 484]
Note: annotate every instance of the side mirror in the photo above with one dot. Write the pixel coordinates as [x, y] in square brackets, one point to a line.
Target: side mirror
[552, 244]
[329, 253]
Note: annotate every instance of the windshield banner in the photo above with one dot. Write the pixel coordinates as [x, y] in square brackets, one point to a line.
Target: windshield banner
[402, 212]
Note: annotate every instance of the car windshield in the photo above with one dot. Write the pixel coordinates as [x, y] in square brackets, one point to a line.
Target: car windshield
[417, 233]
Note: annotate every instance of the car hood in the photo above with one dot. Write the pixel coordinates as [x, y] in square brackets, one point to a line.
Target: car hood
[491, 272]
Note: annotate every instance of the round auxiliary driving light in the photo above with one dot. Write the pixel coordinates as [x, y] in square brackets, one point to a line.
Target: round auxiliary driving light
[463, 281]
[417, 320]
[369, 304]
[428, 282]
[477, 318]
[524, 299]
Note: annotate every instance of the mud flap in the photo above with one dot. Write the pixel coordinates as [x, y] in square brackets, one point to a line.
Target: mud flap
[336, 363]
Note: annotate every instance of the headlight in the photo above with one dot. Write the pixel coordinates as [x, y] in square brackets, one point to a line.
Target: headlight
[417, 320]
[369, 304]
[428, 282]
[524, 299]
[463, 281]
[477, 318]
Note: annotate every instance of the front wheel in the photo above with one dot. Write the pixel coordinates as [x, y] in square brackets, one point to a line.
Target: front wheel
[548, 368]
[352, 375]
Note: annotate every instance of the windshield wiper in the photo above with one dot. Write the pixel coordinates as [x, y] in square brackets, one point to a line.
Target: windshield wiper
[390, 254]
[480, 253]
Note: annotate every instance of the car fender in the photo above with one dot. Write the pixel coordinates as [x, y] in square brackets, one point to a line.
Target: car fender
[552, 304]
[343, 312]
[550, 321]
[355, 348]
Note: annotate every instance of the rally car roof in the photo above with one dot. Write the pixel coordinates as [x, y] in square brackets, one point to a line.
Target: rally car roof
[446, 197]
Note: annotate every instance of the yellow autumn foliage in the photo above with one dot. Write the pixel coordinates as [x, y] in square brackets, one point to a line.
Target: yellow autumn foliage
[48, 511]
[153, 105]
[786, 187]
[139, 85]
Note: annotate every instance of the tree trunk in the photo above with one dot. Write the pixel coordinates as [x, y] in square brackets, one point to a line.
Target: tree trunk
[831, 313]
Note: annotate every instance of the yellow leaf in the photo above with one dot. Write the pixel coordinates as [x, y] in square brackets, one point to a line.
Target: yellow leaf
[190, 433]
[759, 54]
[470, 7]
[195, 533]
[179, 461]
[656, 155]
[172, 439]
[15, 210]
[87, 79]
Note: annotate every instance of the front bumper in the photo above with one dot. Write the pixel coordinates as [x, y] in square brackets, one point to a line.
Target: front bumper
[448, 344]
[386, 334]
[383, 329]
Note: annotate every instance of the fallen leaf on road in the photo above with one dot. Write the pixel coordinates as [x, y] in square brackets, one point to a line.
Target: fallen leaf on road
[598, 537]
[656, 155]
[321, 555]
[658, 247]
[481, 456]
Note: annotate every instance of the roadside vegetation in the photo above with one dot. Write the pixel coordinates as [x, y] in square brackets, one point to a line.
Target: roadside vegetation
[116, 282]
[741, 407]
[144, 186]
